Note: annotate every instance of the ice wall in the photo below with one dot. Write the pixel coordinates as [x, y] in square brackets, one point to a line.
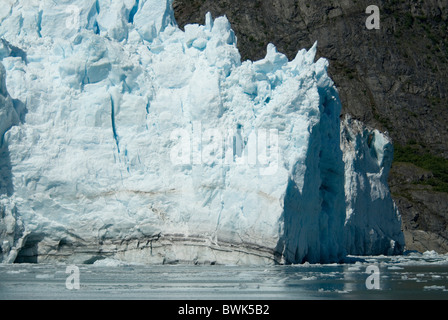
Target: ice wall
[373, 223]
[139, 141]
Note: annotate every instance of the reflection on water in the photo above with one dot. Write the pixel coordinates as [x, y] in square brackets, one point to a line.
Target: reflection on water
[414, 276]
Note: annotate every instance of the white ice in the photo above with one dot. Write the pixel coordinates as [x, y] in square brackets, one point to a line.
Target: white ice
[124, 137]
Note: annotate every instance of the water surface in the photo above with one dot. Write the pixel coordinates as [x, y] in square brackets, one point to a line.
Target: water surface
[415, 276]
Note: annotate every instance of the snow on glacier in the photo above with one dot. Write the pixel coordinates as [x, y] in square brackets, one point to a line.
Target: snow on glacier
[125, 137]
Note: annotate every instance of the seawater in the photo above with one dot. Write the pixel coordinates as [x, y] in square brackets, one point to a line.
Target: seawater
[412, 276]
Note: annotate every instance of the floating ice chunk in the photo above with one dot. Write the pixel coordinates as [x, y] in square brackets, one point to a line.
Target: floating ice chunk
[108, 262]
[435, 287]
[430, 253]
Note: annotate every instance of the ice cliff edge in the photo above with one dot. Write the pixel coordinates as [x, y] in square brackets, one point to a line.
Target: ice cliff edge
[124, 136]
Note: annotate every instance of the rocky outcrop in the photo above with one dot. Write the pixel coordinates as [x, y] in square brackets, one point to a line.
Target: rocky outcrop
[425, 221]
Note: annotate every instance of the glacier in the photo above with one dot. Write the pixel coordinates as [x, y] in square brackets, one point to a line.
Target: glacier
[125, 137]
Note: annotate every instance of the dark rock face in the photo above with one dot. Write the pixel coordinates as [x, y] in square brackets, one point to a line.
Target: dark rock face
[393, 79]
[425, 218]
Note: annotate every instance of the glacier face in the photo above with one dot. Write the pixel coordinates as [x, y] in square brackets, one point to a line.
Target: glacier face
[373, 223]
[124, 136]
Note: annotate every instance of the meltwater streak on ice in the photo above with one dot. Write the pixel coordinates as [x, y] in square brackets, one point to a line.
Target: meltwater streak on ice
[88, 105]
[414, 276]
